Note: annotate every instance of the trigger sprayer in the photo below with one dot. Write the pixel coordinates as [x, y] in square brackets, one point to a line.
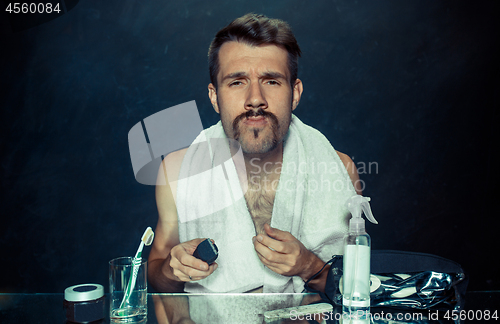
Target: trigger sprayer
[355, 204]
[356, 277]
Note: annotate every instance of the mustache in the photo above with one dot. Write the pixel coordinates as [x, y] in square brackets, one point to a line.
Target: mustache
[255, 113]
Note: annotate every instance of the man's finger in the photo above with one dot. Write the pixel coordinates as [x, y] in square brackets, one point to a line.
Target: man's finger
[271, 256]
[190, 246]
[274, 266]
[272, 244]
[276, 233]
[192, 262]
[198, 275]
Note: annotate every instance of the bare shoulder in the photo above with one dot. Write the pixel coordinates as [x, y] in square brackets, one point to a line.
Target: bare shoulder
[173, 162]
[346, 160]
[351, 170]
[166, 185]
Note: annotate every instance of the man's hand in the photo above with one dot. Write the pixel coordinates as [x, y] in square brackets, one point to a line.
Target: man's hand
[185, 266]
[282, 253]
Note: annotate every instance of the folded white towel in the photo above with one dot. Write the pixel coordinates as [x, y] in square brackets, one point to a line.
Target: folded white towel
[309, 203]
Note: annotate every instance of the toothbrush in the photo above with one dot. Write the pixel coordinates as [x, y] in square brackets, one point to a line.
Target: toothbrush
[147, 239]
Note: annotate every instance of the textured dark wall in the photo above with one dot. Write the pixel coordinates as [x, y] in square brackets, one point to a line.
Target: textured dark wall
[408, 86]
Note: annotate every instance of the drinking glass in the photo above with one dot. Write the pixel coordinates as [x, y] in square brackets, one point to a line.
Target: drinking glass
[133, 308]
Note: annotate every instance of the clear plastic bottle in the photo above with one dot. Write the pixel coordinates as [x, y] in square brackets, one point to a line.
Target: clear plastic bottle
[356, 276]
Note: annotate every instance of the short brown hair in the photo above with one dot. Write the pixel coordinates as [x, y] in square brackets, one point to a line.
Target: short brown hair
[255, 30]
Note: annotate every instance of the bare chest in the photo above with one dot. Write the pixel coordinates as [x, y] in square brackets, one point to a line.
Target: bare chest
[260, 202]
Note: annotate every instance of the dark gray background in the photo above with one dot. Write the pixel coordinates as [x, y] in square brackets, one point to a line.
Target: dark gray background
[410, 85]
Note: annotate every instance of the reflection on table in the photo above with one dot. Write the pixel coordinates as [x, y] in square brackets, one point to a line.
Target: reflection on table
[238, 308]
[224, 308]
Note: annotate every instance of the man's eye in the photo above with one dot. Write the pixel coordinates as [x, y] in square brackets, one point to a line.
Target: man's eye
[273, 82]
[235, 83]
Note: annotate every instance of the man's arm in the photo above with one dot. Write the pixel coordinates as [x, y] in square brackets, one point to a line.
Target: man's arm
[171, 263]
[352, 171]
[160, 274]
[281, 252]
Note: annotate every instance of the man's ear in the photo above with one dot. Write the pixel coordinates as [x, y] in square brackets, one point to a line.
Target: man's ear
[212, 94]
[297, 93]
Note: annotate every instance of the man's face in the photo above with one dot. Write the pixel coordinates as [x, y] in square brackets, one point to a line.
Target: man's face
[254, 96]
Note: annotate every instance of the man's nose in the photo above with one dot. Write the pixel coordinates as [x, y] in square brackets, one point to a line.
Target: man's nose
[256, 98]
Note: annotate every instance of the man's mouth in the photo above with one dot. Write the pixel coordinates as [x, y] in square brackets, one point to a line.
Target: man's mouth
[255, 119]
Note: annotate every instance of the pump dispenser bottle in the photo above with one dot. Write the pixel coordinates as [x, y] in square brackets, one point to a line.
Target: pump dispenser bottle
[356, 276]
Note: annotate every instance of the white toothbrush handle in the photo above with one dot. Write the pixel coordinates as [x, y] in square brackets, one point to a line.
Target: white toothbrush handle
[139, 250]
[137, 264]
[136, 261]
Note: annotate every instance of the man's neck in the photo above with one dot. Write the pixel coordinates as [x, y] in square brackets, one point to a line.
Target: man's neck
[266, 163]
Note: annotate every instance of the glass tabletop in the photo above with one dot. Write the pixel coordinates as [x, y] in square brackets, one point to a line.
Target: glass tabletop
[240, 308]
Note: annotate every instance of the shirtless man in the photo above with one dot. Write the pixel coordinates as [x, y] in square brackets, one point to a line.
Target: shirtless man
[254, 88]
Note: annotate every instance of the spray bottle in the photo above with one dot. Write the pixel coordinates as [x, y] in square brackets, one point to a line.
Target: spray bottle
[356, 277]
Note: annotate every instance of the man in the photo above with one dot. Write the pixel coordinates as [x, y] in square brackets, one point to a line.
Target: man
[254, 87]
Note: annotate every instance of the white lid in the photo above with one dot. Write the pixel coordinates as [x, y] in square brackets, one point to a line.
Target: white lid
[83, 292]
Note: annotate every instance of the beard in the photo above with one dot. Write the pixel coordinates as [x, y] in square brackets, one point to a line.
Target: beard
[258, 140]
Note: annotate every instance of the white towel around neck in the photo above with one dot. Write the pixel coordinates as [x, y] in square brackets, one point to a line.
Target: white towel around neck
[309, 203]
